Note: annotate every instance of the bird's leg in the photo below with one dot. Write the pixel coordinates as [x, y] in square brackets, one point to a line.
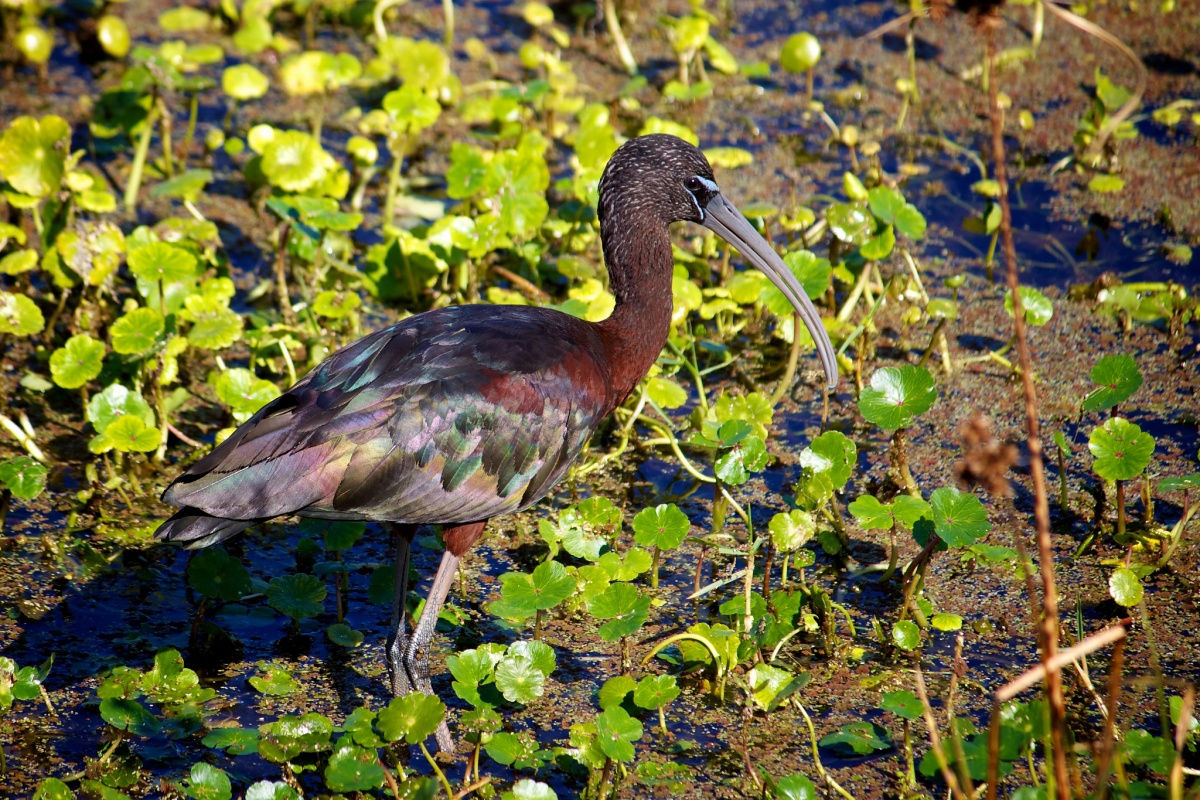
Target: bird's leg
[397, 642]
[416, 658]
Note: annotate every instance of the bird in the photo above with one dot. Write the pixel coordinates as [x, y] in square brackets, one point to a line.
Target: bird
[460, 414]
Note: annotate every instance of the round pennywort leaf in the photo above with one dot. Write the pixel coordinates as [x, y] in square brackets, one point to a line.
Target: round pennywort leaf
[1121, 448]
[897, 395]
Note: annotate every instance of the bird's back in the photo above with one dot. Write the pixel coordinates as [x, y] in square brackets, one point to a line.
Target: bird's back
[451, 416]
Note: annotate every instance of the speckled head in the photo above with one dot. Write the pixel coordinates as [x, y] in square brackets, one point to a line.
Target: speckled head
[657, 175]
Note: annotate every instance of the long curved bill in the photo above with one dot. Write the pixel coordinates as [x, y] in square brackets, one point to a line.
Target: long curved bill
[723, 219]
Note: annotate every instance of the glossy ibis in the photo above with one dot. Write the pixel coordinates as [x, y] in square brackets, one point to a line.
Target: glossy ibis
[460, 414]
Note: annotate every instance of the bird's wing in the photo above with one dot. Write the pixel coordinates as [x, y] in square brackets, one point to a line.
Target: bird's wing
[449, 417]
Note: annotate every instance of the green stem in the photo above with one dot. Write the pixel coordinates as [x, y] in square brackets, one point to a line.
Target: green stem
[164, 120]
[139, 162]
[437, 770]
[789, 373]
[193, 111]
[1062, 481]
[448, 17]
[393, 186]
[1120, 507]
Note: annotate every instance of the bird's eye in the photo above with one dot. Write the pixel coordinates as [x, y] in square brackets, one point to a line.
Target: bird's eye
[693, 184]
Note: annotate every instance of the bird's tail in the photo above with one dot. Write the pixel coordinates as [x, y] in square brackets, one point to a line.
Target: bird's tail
[194, 529]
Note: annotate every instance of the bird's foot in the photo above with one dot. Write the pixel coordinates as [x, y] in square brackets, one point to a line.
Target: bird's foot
[408, 671]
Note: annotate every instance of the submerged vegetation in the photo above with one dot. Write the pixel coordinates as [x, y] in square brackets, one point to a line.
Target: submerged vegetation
[745, 587]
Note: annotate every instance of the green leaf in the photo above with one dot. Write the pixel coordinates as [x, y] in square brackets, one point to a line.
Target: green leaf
[909, 510]
[1125, 587]
[1118, 377]
[137, 332]
[795, 787]
[540, 653]
[1103, 184]
[860, 738]
[850, 223]
[128, 434]
[411, 109]
[870, 513]
[20, 316]
[354, 769]
[33, 154]
[19, 262]
[735, 465]
[53, 789]
[128, 715]
[274, 681]
[23, 476]
[666, 392]
[468, 171]
[903, 704]
[294, 161]
[1156, 752]
[800, 53]
[271, 790]
[77, 362]
[770, 686]
[1121, 449]
[186, 185]
[890, 208]
[548, 586]
[214, 573]
[1038, 308]
[946, 622]
[1175, 484]
[616, 732]
[959, 518]
[207, 782]
[297, 596]
[831, 452]
[880, 245]
[244, 82]
[897, 395]
[527, 789]
[906, 635]
[625, 608]
[655, 691]
[160, 261]
[509, 748]
[413, 718]
[791, 530]
[615, 690]
[235, 741]
[519, 680]
[243, 392]
[115, 401]
[343, 635]
[663, 526]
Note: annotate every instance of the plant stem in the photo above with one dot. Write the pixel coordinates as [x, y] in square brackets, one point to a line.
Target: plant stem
[193, 111]
[613, 22]
[436, 769]
[139, 161]
[789, 373]
[1120, 507]
[1062, 481]
[1048, 629]
[900, 462]
[281, 290]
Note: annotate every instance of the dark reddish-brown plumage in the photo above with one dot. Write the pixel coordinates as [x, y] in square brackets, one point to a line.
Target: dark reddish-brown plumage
[460, 414]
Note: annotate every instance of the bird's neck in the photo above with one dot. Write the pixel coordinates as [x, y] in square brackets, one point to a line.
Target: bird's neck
[640, 268]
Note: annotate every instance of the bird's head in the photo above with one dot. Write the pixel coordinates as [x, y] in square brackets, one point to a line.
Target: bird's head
[659, 179]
